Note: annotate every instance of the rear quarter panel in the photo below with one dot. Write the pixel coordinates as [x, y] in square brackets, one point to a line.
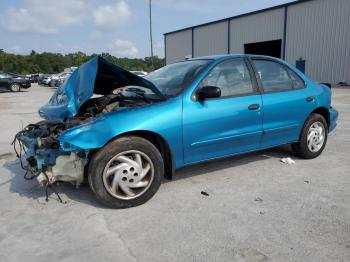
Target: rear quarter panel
[286, 112]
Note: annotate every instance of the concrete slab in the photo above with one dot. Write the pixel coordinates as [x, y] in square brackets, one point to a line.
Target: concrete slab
[257, 208]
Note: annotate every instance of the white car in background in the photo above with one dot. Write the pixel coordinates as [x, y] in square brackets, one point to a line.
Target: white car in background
[140, 73]
[58, 79]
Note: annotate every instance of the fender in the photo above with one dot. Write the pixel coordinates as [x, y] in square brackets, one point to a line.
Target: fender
[153, 118]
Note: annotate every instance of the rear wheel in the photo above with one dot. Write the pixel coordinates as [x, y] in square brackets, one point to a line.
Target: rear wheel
[127, 172]
[313, 137]
[15, 87]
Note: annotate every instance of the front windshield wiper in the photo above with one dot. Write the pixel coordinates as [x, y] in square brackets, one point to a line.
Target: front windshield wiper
[138, 92]
[142, 94]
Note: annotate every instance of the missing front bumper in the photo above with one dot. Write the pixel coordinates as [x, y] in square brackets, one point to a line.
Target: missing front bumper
[68, 168]
[45, 160]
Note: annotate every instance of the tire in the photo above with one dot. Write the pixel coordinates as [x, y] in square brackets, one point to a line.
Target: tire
[126, 174]
[52, 84]
[15, 87]
[304, 147]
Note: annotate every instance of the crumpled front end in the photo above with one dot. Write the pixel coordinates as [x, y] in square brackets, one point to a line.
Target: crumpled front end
[95, 88]
[97, 76]
[45, 159]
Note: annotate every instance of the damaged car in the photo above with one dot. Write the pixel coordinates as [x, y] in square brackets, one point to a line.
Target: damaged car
[125, 133]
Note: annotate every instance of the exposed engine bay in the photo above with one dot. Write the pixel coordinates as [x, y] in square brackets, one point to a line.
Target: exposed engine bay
[112, 102]
[96, 88]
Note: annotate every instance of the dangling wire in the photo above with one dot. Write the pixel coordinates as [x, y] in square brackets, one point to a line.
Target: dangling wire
[17, 143]
[47, 186]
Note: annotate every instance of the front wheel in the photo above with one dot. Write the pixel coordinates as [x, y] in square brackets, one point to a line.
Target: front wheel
[313, 137]
[127, 172]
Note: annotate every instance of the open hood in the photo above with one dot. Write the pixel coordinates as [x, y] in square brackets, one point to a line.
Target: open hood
[97, 76]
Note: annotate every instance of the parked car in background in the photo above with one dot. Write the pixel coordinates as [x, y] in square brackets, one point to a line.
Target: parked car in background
[139, 130]
[33, 78]
[40, 79]
[139, 73]
[70, 69]
[13, 82]
[44, 79]
[57, 80]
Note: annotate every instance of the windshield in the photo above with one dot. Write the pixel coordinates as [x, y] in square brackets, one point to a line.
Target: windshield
[172, 79]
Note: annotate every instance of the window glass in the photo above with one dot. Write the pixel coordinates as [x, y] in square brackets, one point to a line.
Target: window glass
[297, 81]
[5, 75]
[232, 77]
[273, 76]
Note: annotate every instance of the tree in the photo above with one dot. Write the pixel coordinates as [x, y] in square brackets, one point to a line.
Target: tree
[50, 63]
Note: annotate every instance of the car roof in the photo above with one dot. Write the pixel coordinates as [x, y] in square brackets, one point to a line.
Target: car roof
[9, 73]
[222, 57]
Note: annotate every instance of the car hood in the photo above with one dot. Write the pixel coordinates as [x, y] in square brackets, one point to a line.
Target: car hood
[97, 76]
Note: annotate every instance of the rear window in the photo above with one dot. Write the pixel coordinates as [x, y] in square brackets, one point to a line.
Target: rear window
[273, 76]
[297, 81]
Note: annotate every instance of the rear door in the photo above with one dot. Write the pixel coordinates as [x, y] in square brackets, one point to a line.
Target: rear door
[226, 125]
[287, 102]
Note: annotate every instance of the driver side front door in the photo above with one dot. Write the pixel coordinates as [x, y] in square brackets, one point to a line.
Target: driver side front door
[226, 125]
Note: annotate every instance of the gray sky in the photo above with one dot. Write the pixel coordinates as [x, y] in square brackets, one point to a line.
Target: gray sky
[116, 26]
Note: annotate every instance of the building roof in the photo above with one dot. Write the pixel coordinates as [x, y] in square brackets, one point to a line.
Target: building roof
[238, 16]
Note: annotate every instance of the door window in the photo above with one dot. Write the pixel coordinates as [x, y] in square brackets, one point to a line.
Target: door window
[273, 75]
[232, 77]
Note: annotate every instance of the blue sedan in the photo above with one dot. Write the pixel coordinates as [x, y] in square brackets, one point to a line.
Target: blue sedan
[125, 133]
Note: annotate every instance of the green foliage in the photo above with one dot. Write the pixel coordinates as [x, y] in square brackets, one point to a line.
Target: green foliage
[49, 63]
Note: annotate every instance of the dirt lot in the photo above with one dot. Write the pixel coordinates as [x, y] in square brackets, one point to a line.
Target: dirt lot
[258, 208]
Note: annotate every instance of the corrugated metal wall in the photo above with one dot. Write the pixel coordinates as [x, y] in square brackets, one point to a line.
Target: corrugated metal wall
[177, 46]
[259, 27]
[319, 32]
[211, 39]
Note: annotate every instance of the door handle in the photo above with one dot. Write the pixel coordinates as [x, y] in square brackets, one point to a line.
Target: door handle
[254, 107]
[310, 99]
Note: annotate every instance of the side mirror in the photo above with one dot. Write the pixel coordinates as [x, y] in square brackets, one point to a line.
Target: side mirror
[208, 92]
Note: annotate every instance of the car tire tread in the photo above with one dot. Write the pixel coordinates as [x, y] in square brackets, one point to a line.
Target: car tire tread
[300, 148]
[14, 85]
[102, 156]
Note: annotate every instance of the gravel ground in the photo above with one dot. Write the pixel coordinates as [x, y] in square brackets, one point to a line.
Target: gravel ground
[257, 208]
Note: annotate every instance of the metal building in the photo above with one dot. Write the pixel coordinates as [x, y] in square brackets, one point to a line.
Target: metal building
[313, 35]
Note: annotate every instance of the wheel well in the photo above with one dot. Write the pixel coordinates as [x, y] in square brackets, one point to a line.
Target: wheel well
[162, 146]
[323, 112]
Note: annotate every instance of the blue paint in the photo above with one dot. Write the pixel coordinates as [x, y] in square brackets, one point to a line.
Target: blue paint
[84, 82]
[198, 131]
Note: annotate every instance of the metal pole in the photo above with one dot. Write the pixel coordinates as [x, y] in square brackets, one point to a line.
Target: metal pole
[150, 31]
